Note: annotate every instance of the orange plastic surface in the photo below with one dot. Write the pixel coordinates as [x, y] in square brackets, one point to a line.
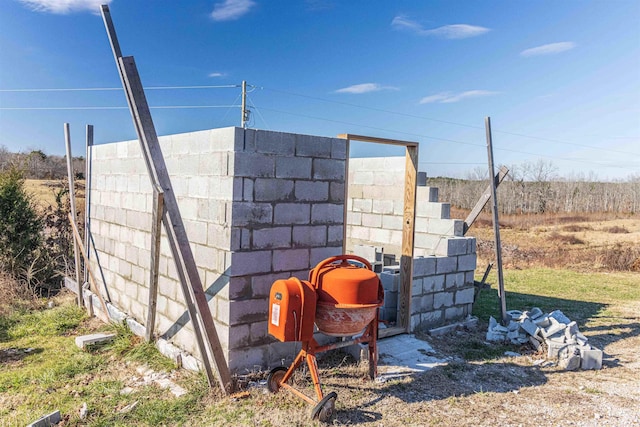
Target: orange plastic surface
[345, 283]
[292, 308]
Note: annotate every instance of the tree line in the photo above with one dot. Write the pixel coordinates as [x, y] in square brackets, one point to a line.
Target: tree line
[535, 187]
[38, 165]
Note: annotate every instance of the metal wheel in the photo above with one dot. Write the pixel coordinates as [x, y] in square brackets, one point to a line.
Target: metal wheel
[275, 377]
[325, 409]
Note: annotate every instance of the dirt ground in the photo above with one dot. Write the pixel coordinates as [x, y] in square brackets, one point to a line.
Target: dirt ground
[510, 391]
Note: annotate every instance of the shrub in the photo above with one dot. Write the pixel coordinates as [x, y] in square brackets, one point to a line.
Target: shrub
[23, 254]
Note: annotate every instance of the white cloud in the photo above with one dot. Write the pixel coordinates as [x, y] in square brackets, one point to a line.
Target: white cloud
[365, 88]
[448, 97]
[455, 31]
[65, 6]
[548, 49]
[217, 74]
[231, 9]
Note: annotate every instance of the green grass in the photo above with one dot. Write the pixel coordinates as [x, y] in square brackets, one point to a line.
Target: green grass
[581, 296]
[42, 370]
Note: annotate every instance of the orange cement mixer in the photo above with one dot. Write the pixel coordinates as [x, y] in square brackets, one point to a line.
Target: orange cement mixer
[342, 300]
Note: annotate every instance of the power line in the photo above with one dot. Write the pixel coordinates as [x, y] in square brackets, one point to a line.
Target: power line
[174, 107]
[103, 89]
[449, 122]
[447, 140]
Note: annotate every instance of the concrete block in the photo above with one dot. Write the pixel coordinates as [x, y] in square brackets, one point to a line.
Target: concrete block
[276, 237]
[47, 420]
[290, 259]
[392, 222]
[424, 266]
[560, 317]
[246, 263]
[338, 148]
[86, 340]
[292, 213]
[432, 318]
[467, 262]
[390, 280]
[335, 235]
[336, 192]
[529, 327]
[428, 194]
[591, 358]
[554, 348]
[245, 360]
[293, 167]
[422, 179]
[327, 213]
[464, 296]
[372, 220]
[273, 190]
[391, 300]
[416, 287]
[309, 236]
[314, 191]
[313, 146]
[454, 280]
[246, 213]
[320, 254]
[362, 178]
[446, 265]
[362, 205]
[275, 143]
[382, 207]
[354, 218]
[253, 165]
[442, 299]
[426, 303]
[451, 246]
[454, 313]
[329, 169]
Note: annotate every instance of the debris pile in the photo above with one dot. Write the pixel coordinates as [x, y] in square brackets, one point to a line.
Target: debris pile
[559, 335]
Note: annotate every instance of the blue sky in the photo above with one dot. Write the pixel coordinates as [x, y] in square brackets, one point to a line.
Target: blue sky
[560, 80]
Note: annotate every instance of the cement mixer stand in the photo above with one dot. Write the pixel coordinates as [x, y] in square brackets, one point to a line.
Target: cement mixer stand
[342, 299]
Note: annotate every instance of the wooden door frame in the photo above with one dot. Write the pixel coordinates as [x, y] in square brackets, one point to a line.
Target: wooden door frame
[408, 224]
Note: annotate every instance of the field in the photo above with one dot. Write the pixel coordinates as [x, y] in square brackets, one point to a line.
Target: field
[586, 266]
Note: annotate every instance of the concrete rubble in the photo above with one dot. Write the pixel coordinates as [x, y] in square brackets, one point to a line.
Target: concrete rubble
[554, 331]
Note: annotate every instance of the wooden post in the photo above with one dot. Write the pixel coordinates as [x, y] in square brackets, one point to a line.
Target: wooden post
[156, 229]
[87, 200]
[72, 206]
[496, 225]
[480, 204]
[202, 320]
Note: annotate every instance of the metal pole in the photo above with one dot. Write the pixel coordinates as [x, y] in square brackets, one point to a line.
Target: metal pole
[87, 199]
[243, 120]
[496, 225]
[72, 205]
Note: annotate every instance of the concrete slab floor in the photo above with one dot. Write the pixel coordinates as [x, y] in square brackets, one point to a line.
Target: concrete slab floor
[404, 355]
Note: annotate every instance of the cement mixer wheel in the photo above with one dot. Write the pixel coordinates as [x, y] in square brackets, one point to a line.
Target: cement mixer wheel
[275, 377]
[325, 409]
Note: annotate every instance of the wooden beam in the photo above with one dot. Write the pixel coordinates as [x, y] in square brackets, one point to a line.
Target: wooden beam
[195, 298]
[156, 231]
[353, 137]
[408, 232]
[482, 201]
[72, 207]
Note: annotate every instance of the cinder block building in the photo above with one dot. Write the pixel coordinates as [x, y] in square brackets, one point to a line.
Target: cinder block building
[260, 206]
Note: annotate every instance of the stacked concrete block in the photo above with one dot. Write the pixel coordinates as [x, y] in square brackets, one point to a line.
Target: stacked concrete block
[257, 206]
[445, 260]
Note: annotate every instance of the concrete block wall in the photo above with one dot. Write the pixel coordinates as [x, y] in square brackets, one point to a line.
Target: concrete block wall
[257, 206]
[445, 260]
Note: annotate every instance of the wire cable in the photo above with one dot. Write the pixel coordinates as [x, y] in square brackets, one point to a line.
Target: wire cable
[103, 89]
[174, 107]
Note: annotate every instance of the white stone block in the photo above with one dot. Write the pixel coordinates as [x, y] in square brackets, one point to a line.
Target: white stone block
[392, 222]
[372, 220]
